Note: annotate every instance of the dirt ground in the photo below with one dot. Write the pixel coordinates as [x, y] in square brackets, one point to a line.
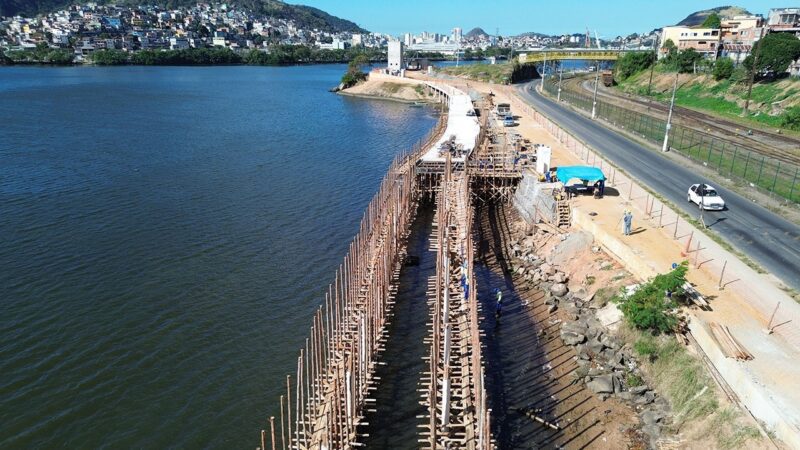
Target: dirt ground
[529, 367]
[387, 90]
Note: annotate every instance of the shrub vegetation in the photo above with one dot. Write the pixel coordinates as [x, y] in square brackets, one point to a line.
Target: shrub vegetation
[651, 306]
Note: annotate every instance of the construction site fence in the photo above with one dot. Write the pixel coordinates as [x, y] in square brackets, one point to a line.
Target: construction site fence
[325, 400]
[733, 161]
[699, 249]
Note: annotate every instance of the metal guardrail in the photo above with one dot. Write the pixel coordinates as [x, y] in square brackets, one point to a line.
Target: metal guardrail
[739, 163]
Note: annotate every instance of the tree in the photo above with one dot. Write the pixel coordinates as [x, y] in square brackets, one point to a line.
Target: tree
[778, 50]
[723, 69]
[712, 21]
[791, 118]
[687, 59]
[633, 62]
[354, 75]
[740, 75]
[109, 57]
[670, 46]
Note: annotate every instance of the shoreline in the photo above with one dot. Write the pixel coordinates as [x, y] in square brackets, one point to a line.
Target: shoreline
[389, 99]
[383, 87]
[311, 63]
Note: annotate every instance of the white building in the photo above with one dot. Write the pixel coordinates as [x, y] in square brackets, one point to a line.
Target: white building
[335, 45]
[358, 39]
[178, 43]
[438, 47]
[457, 34]
[396, 56]
[784, 20]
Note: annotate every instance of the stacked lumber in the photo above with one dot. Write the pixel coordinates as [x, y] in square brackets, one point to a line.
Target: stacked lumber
[730, 347]
[696, 297]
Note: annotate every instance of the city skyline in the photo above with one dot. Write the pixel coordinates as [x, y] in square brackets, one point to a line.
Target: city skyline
[572, 16]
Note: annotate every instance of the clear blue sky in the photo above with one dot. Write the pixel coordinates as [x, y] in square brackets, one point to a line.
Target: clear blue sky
[609, 17]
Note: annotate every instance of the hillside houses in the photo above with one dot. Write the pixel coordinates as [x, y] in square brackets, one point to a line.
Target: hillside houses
[90, 27]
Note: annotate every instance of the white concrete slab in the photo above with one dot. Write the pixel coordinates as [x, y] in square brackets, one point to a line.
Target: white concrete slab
[465, 128]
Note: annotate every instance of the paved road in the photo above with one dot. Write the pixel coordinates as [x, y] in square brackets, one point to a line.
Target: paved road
[764, 236]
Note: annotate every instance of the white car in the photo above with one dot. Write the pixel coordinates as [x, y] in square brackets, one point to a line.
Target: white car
[706, 197]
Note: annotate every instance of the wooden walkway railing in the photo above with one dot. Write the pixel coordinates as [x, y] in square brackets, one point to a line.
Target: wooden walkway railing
[325, 402]
[455, 393]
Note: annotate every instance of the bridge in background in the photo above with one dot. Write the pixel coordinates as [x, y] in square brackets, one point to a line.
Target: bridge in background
[543, 55]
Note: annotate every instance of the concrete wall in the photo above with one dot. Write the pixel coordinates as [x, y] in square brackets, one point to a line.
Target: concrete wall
[534, 200]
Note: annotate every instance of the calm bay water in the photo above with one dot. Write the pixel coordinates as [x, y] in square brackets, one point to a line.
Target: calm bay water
[165, 234]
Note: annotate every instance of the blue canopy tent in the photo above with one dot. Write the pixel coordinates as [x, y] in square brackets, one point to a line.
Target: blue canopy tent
[584, 173]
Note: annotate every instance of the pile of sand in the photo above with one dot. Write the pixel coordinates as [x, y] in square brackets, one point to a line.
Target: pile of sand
[384, 89]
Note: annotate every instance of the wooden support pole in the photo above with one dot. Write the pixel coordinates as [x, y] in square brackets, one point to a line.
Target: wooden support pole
[272, 430]
[288, 411]
[283, 433]
[722, 275]
[677, 220]
[772, 317]
[685, 251]
[697, 254]
[299, 409]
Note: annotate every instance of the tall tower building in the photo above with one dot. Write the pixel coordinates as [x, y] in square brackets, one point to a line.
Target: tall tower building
[457, 35]
[395, 56]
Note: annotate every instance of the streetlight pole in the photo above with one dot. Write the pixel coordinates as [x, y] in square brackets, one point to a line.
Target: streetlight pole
[702, 191]
[544, 68]
[664, 147]
[594, 99]
[560, 74]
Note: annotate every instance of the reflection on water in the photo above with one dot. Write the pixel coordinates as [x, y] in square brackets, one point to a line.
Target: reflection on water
[167, 233]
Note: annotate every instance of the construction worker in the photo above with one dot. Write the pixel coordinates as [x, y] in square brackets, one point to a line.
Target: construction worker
[498, 306]
[627, 221]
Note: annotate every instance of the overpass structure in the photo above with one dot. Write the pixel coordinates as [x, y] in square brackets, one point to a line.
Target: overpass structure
[591, 54]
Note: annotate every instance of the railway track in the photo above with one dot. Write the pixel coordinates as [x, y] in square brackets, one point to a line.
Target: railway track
[780, 147]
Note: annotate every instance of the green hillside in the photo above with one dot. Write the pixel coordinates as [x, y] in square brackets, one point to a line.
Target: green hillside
[304, 16]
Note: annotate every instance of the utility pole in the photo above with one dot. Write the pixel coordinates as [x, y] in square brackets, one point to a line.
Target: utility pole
[702, 191]
[594, 99]
[665, 147]
[753, 72]
[560, 74]
[652, 67]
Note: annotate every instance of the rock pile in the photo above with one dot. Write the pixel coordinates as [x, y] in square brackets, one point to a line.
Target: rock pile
[606, 366]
